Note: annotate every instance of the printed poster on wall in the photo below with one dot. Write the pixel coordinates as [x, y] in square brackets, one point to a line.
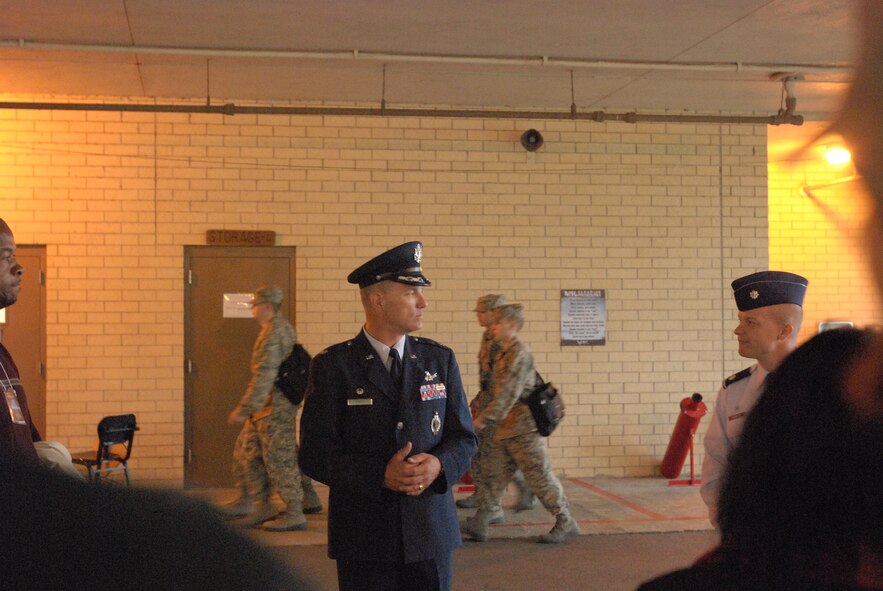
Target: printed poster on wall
[583, 317]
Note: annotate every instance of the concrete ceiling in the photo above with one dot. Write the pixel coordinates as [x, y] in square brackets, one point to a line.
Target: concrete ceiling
[613, 55]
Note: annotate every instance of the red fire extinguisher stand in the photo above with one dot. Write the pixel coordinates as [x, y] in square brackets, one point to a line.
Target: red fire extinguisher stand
[681, 443]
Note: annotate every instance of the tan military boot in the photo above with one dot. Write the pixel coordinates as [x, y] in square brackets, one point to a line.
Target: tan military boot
[312, 503]
[262, 512]
[236, 509]
[475, 528]
[292, 519]
[565, 525]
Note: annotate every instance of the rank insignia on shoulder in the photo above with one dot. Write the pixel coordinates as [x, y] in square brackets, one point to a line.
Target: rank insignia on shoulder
[737, 376]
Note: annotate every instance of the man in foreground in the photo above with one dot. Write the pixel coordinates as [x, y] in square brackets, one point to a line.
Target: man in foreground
[386, 426]
[19, 436]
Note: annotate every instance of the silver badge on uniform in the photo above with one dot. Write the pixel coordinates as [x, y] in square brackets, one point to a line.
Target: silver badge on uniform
[435, 425]
[430, 376]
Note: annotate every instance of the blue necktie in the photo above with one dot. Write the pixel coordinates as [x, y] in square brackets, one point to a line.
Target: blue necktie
[395, 368]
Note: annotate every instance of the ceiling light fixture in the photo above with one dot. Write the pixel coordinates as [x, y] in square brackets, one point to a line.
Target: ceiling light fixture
[837, 155]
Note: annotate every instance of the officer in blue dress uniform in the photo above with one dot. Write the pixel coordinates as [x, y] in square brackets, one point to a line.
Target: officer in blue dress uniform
[386, 426]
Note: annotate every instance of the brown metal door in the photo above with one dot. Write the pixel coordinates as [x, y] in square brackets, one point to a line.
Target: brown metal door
[218, 347]
[24, 332]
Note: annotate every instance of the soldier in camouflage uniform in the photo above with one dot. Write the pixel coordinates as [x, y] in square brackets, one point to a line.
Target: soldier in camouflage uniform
[265, 453]
[517, 442]
[526, 499]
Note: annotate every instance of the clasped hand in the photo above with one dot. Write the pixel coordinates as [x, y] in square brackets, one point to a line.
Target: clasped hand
[411, 475]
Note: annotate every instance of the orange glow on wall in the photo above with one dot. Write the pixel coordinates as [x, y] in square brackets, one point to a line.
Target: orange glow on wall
[817, 214]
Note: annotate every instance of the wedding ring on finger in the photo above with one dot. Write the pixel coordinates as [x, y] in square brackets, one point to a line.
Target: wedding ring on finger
[420, 487]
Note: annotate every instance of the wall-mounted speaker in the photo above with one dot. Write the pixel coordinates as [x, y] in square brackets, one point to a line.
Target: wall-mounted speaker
[531, 140]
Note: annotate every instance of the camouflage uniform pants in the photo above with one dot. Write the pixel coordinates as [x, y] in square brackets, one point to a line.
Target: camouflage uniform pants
[486, 445]
[526, 452]
[265, 455]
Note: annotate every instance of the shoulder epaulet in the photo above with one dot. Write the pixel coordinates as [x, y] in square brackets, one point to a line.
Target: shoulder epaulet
[335, 347]
[430, 342]
[737, 376]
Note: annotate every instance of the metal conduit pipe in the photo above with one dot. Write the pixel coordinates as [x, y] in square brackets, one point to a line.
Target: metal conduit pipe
[356, 54]
[782, 118]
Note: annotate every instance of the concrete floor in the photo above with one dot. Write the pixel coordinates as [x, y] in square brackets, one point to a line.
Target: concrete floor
[632, 529]
[588, 563]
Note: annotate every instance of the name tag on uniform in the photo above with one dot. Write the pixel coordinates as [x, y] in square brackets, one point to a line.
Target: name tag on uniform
[738, 415]
[359, 401]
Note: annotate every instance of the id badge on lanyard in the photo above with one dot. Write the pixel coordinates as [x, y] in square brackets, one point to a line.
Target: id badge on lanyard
[15, 413]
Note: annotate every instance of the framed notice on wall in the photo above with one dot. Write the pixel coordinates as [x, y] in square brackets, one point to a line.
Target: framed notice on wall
[583, 317]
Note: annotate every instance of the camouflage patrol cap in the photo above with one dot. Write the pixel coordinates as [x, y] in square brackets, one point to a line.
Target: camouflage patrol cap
[267, 294]
[490, 301]
[510, 312]
[400, 264]
[768, 288]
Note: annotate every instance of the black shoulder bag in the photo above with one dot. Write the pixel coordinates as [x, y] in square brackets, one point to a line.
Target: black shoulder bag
[545, 405]
[293, 374]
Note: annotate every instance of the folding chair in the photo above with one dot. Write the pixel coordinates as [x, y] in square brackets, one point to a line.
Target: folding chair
[116, 430]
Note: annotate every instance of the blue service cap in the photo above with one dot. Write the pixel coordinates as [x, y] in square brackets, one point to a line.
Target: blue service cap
[768, 288]
[400, 264]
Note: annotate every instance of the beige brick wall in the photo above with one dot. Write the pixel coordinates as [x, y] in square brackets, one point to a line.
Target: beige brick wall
[661, 216]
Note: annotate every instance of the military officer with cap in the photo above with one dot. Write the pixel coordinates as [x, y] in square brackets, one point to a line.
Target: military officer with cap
[770, 307]
[386, 426]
